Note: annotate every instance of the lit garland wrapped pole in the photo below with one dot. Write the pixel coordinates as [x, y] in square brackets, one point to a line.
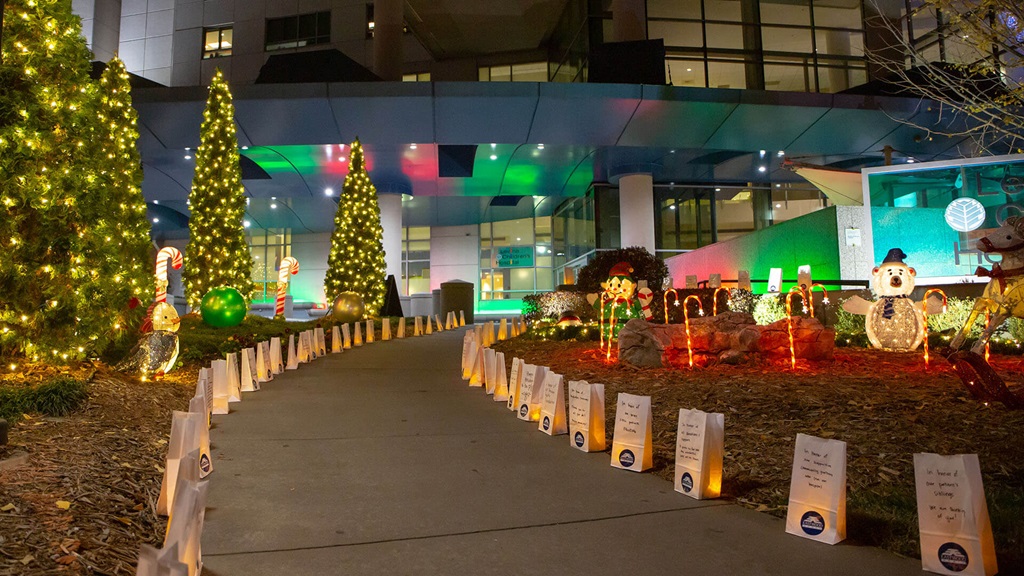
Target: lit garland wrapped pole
[615, 300]
[74, 260]
[810, 296]
[686, 318]
[714, 300]
[789, 320]
[288, 267]
[356, 262]
[166, 253]
[675, 295]
[924, 312]
[218, 253]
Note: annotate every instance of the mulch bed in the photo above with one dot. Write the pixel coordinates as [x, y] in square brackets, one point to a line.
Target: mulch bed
[884, 405]
[85, 501]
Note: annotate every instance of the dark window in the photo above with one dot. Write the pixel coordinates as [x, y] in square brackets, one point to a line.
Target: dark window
[298, 31]
[217, 42]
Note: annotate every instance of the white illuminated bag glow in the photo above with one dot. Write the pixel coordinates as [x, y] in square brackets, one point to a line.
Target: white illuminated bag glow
[185, 524]
[357, 338]
[700, 446]
[467, 343]
[529, 392]
[335, 340]
[817, 490]
[514, 380]
[304, 349]
[401, 327]
[429, 325]
[293, 355]
[448, 321]
[369, 331]
[462, 318]
[321, 342]
[204, 391]
[248, 361]
[956, 532]
[221, 392]
[385, 329]
[476, 366]
[552, 406]
[437, 322]
[346, 336]
[234, 379]
[631, 443]
[501, 380]
[417, 327]
[503, 329]
[276, 364]
[162, 562]
[586, 416]
[263, 370]
[489, 370]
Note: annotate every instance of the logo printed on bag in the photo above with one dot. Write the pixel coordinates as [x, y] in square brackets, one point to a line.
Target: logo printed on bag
[524, 410]
[812, 523]
[204, 464]
[953, 557]
[547, 423]
[579, 439]
[686, 482]
[626, 458]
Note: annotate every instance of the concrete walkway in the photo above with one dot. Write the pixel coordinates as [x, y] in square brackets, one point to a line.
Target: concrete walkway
[380, 460]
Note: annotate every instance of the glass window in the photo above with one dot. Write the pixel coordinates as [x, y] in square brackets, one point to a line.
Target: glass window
[840, 42]
[673, 9]
[677, 33]
[726, 75]
[298, 31]
[796, 13]
[268, 247]
[217, 42]
[793, 78]
[728, 10]
[418, 77]
[840, 14]
[794, 40]
[530, 72]
[416, 259]
[725, 36]
[686, 72]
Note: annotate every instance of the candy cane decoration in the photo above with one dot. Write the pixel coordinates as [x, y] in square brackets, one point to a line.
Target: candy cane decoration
[171, 253]
[288, 267]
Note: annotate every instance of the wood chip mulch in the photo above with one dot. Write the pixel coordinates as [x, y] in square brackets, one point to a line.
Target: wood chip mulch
[884, 405]
[85, 501]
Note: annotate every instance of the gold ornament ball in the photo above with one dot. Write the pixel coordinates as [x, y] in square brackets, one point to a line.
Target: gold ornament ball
[348, 307]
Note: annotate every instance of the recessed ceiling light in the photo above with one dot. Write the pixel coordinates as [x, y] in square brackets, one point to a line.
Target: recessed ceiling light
[246, 224]
[762, 152]
[782, 153]
[762, 169]
[778, 205]
[273, 205]
[412, 146]
[689, 69]
[494, 156]
[778, 185]
[910, 160]
[245, 147]
[156, 201]
[343, 159]
[718, 189]
[328, 191]
[540, 146]
[672, 207]
[188, 157]
[156, 220]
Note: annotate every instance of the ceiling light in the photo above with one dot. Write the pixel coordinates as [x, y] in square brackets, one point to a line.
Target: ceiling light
[494, 144]
[156, 220]
[762, 152]
[519, 239]
[778, 185]
[188, 157]
[782, 153]
[542, 249]
[494, 156]
[778, 205]
[910, 160]
[187, 148]
[343, 159]
[672, 207]
[246, 224]
[273, 205]
[718, 189]
[540, 146]
[156, 201]
[762, 169]
[689, 69]
[412, 146]
[328, 191]
[245, 147]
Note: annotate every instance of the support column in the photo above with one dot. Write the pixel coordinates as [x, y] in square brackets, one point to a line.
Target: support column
[629, 20]
[387, 39]
[391, 222]
[636, 211]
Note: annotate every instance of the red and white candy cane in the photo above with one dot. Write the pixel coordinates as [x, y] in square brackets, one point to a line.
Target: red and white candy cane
[288, 267]
[166, 253]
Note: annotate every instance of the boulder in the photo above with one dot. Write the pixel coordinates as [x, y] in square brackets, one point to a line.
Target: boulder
[730, 337]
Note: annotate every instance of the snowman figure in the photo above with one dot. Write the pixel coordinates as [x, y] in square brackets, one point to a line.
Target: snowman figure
[893, 321]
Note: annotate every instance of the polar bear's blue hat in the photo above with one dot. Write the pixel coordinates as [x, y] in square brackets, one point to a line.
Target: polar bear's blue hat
[894, 255]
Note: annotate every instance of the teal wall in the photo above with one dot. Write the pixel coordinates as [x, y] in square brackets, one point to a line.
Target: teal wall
[922, 233]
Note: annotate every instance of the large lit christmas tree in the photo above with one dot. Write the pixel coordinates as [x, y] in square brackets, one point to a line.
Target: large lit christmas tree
[120, 229]
[54, 304]
[356, 263]
[217, 253]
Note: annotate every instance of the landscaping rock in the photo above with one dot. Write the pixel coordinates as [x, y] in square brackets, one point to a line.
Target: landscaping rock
[729, 336]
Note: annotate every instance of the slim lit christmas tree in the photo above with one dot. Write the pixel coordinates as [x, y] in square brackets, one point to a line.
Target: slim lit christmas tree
[117, 209]
[54, 303]
[217, 253]
[356, 263]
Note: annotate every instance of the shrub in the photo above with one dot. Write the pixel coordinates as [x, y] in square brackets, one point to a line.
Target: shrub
[59, 397]
[646, 266]
[847, 323]
[12, 403]
[769, 308]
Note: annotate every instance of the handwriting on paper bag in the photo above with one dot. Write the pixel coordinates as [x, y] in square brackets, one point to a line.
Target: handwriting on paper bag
[816, 468]
[944, 485]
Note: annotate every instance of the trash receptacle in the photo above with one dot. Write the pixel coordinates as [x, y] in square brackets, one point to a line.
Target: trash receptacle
[435, 302]
[457, 296]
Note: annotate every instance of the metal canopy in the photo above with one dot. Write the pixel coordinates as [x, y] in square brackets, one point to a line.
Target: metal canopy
[533, 139]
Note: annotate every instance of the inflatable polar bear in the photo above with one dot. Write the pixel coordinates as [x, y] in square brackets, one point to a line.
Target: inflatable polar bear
[894, 321]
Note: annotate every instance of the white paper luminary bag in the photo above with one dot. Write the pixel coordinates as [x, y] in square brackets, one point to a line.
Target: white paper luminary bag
[552, 406]
[817, 490]
[631, 443]
[586, 416]
[700, 445]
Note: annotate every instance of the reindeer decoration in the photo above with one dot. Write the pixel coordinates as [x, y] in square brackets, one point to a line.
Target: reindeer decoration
[1003, 298]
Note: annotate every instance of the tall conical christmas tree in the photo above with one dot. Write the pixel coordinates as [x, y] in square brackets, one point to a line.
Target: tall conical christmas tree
[356, 263]
[53, 304]
[117, 209]
[217, 253]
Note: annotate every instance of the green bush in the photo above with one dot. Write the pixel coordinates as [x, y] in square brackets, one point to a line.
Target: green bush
[769, 308]
[847, 323]
[59, 397]
[646, 266]
[12, 403]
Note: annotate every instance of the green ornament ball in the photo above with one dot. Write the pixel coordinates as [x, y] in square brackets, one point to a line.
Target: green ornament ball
[348, 307]
[223, 307]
